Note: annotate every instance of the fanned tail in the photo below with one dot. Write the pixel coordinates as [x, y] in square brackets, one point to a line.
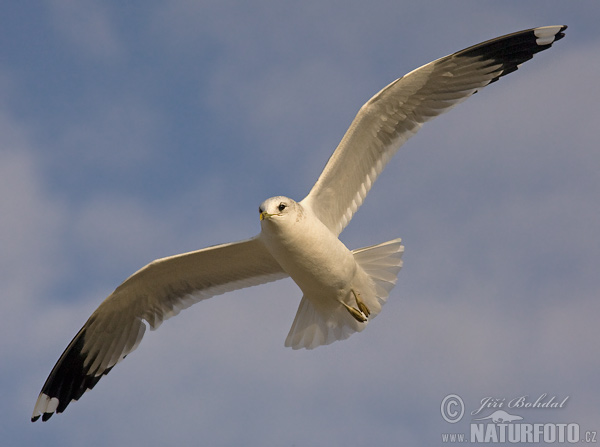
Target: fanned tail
[323, 321]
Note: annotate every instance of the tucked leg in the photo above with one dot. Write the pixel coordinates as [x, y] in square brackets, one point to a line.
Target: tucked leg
[358, 315]
[361, 306]
[362, 313]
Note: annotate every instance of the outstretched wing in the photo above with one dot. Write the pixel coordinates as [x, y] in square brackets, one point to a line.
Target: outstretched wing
[398, 111]
[156, 292]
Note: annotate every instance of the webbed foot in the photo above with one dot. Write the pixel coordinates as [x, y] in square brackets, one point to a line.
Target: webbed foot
[357, 314]
[361, 306]
[362, 313]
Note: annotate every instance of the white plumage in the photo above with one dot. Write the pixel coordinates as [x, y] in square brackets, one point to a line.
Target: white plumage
[343, 289]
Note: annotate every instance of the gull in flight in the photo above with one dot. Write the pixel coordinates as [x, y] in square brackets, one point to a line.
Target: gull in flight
[342, 289]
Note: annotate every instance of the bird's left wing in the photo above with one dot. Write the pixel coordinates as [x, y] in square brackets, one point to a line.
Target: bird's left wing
[398, 111]
[156, 292]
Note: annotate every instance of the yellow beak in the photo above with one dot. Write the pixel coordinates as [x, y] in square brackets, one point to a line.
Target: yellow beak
[264, 215]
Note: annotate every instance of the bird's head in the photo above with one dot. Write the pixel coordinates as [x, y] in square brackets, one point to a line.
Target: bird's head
[278, 209]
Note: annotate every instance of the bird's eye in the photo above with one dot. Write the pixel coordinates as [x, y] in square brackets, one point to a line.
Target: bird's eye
[281, 206]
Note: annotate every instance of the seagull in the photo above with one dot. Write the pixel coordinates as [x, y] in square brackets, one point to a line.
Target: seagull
[342, 289]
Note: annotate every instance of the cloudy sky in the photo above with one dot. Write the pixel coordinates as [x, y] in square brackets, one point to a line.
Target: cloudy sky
[135, 130]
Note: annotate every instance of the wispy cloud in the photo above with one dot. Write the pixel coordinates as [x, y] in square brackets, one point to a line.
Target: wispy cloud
[496, 203]
[87, 26]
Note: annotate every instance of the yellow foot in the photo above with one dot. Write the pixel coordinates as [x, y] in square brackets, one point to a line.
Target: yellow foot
[357, 314]
[362, 313]
[361, 306]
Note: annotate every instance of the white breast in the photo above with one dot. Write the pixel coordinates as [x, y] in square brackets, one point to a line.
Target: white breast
[309, 252]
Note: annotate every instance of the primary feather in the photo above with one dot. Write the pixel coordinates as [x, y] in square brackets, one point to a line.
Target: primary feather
[399, 110]
[166, 286]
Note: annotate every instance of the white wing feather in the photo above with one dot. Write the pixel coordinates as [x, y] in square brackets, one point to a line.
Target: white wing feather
[156, 292]
[398, 111]
[166, 286]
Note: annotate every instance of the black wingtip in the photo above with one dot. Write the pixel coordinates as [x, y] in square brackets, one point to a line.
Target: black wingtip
[561, 34]
[46, 416]
[67, 381]
[512, 50]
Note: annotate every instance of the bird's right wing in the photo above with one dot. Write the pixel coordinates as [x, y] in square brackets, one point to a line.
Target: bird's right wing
[156, 292]
[398, 111]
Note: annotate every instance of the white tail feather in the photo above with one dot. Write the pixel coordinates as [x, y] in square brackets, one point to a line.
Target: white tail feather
[323, 321]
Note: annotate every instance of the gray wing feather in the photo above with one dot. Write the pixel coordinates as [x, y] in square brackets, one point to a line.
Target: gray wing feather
[158, 291]
[398, 111]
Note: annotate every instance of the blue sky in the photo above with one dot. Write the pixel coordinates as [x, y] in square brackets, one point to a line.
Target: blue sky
[132, 131]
